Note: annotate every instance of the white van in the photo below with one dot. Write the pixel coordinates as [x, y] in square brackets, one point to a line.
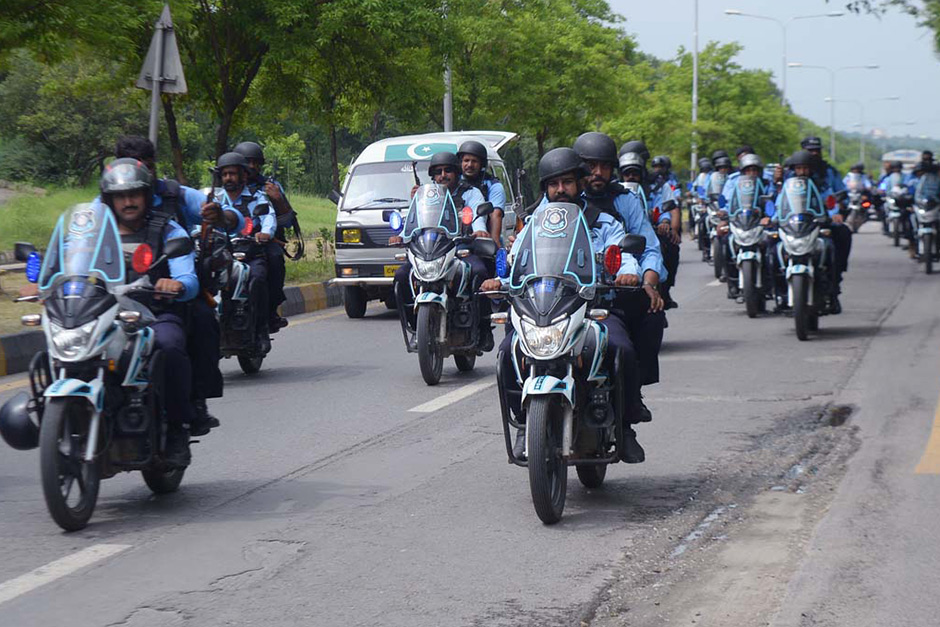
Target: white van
[379, 182]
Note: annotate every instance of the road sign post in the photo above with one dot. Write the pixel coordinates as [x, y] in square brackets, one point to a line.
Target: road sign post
[162, 71]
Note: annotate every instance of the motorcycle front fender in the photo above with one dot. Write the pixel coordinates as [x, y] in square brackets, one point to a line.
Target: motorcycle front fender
[431, 298]
[546, 384]
[92, 391]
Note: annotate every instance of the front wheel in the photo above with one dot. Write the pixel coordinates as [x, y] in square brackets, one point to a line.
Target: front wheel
[896, 232]
[430, 356]
[465, 363]
[927, 251]
[69, 483]
[718, 258]
[163, 481]
[250, 364]
[752, 297]
[548, 473]
[591, 475]
[801, 307]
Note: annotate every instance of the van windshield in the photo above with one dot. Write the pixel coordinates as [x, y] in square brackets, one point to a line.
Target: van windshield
[377, 185]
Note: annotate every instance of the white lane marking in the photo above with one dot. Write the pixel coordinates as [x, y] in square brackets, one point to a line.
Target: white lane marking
[714, 283]
[453, 396]
[57, 569]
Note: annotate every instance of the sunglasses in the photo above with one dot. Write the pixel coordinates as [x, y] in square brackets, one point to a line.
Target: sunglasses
[448, 169]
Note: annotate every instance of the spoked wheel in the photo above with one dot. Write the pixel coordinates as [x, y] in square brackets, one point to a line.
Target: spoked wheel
[430, 356]
[465, 363]
[163, 481]
[69, 483]
[801, 307]
[717, 257]
[752, 296]
[548, 473]
[250, 364]
[591, 476]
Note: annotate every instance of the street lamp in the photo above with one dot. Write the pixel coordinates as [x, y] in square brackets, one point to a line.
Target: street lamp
[783, 27]
[832, 95]
[861, 120]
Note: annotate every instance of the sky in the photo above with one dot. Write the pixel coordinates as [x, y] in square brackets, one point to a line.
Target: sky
[908, 65]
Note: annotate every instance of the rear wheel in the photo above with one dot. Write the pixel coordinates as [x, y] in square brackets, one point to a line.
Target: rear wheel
[927, 251]
[465, 363]
[896, 232]
[548, 473]
[751, 295]
[718, 258]
[69, 483]
[250, 364]
[430, 357]
[163, 481]
[355, 301]
[591, 476]
[801, 307]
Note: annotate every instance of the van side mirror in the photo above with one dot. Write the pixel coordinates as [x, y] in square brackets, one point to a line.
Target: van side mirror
[633, 244]
[21, 251]
[334, 196]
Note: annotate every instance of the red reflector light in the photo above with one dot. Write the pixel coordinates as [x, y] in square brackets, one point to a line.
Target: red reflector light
[866, 205]
[142, 259]
[249, 227]
[612, 260]
[466, 215]
[830, 202]
[656, 214]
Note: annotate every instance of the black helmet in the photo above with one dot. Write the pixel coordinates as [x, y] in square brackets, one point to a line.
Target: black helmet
[596, 146]
[746, 149]
[16, 427]
[250, 150]
[659, 161]
[632, 161]
[751, 160]
[801, 157]
[230, 159]
[719, 154]
[126, 174]
[558, 161]
[637, 146]
[705, 164]
[723, 162]
[472, 147]
[926, 156]
[445, 159]
[896, 166]
[858, 166]
[811, 143]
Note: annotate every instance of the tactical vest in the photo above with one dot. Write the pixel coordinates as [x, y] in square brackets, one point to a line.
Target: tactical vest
[606, 202]
[169, 191]
[152, 234]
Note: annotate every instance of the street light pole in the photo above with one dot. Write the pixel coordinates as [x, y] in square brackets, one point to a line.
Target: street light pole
[861, 118]
[783, 27]
[694, 164]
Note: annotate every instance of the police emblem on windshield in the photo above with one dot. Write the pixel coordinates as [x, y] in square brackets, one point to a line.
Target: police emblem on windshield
[555, 222]
[83, 222]
[797, 184]
[747, 184]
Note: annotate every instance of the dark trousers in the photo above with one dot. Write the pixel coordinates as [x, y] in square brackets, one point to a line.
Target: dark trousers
[842, 241]
[170, 336]
[258, 292]
[203, 345]
[277, 272]
[670, 252]
[646, 332]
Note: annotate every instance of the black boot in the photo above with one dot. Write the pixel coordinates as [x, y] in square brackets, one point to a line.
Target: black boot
[205, 421]
[631, 451]
[641, 413]
[276, 323]
[518, 450]
[486, 338]
[177, 447]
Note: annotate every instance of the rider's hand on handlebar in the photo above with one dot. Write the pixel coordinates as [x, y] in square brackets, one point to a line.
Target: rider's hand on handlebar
[491, 285]
[262, 238]
[629, 280]
[765, 221]
[168, 285]
[212, 213]
[481, 234]
[838, 219]
[30, 289]
[656, 301]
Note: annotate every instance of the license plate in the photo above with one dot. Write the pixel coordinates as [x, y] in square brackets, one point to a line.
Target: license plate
[390, 270]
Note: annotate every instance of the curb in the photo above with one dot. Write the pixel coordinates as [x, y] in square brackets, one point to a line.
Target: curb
[17, 349]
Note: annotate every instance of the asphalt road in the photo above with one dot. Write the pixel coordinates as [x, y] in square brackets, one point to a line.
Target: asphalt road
[786, 483]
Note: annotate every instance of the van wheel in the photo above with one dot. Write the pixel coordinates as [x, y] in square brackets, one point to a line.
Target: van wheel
[354, 301]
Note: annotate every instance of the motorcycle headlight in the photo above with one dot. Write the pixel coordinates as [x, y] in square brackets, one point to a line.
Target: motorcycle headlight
[69, 343]
[746, 237]
[544, 341]
[429, 270]
[799, 245]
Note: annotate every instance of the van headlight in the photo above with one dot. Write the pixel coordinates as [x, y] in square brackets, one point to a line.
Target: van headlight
[544, 341]
[69, 343]
[429, 270]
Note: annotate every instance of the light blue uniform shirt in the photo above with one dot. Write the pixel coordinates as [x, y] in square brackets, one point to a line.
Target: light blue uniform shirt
[182, 269]
[266, 223]
[190, 204]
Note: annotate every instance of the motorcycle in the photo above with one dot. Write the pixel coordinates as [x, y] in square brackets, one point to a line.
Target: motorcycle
[716, 215]
[896, 204]
[96, 401]
[574, 405]
[859, 202]
[445, 301]
[699, 227]
[747, 232]
[808, 254]
[927, 219]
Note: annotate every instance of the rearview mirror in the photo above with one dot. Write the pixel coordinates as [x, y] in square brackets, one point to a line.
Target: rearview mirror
[261, 209]
[483, 247]
[485, 209]
[21, 250]
[633, 244]
[334, 196]
[178, 247]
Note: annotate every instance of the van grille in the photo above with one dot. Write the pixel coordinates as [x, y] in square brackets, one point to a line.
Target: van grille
[379, 234]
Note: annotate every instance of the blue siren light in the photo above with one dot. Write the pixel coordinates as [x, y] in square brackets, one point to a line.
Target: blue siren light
[722, 202]
[33, 266]
[502, 265]
[395, 221]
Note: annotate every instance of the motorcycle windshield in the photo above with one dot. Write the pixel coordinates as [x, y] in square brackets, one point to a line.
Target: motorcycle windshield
[853, 182]
[894, 180]
[85, 243]
[747, 192]
[717, 182]
[555, 243]
[431, 208]
[799, 195]
[928, 187]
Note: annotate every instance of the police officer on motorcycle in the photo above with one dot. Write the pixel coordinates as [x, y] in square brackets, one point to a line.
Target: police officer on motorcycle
[665, 196]
[190, 208]
[561, 176]
[473, 161]
[444, 169]
[274, 250]
[255, 207]
[127, 188]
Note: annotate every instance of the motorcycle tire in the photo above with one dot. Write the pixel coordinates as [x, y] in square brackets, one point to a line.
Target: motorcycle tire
[591, 475]
[250, 364]
[751, 294]
[430, 357]
[355, 301]
[928, 253]
[548, 472]
[801, 307]
[163, 481]
[718, 257]
[65, 424]
[465, 363]
[896, 232]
